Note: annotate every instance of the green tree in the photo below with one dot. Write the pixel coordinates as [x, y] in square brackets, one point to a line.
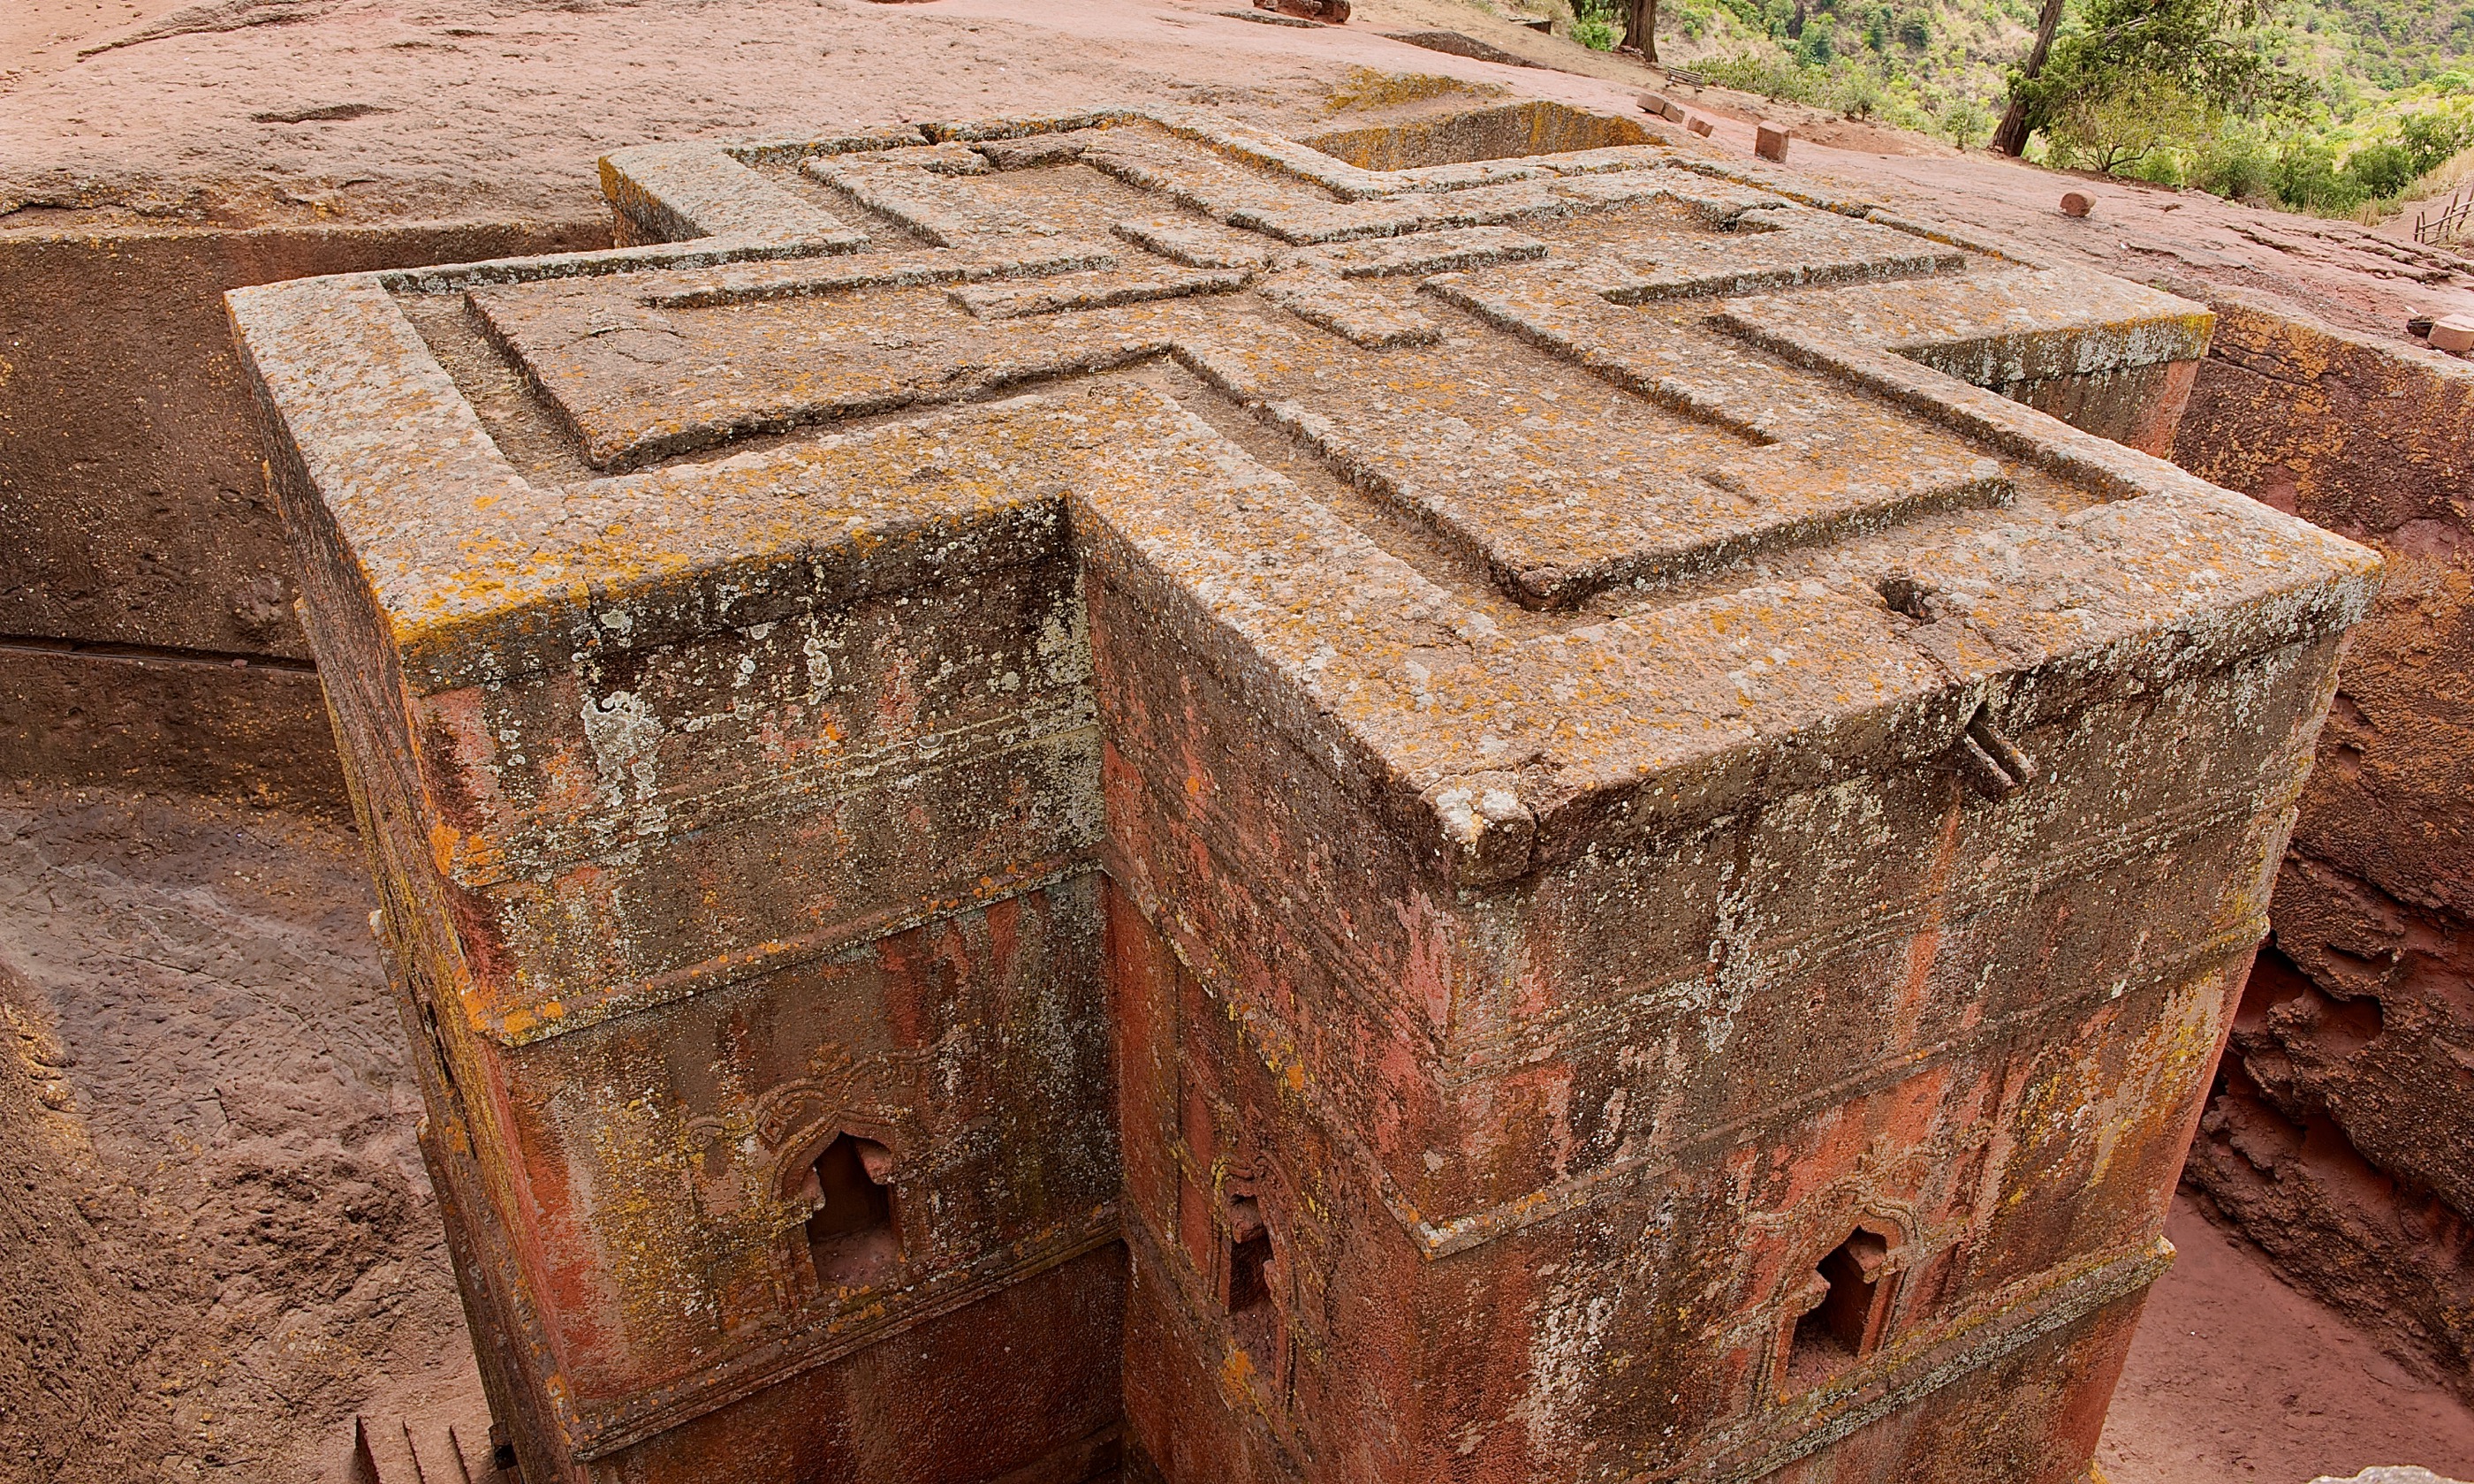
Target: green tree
[2384, 169]
[1964, 121]
[2010, 136]
[2308, 178]
[2117, 130]
[2430, 137]
[2136, 59]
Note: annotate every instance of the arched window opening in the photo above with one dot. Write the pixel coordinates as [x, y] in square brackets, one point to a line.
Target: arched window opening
[1832, 1335]
[1250, 1309]
[851, 1236]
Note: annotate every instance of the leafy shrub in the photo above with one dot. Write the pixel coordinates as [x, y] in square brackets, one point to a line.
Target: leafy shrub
[1966, 122]
[2307, 178]
[2156, 167]
[1749, 73]
[2382, 169]
[2431, 136]
[2235, 163]
[1593, 24]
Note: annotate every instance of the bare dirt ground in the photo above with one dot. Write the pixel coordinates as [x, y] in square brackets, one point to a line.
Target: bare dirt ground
[219, 1240]
[218, 1244]
[2236, 1379]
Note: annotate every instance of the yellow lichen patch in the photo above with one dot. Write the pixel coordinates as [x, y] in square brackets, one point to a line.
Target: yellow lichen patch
[1510, 131]
[1369, 87]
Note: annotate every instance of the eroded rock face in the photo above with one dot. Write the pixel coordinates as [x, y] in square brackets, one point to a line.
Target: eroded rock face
[1105, 788]
[2339, 1139]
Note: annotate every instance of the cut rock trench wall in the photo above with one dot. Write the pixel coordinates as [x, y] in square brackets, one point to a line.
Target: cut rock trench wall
[2338, 1136]
[147, 637]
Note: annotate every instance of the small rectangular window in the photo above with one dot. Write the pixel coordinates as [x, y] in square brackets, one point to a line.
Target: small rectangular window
[851, 1236]
[1830, 1337]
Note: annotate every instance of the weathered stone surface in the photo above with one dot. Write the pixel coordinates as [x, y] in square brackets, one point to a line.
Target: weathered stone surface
[143, 719]
[134, 511]
[2338, 1138]
[1331, 13]
[1583, 854]
[2413, 1474]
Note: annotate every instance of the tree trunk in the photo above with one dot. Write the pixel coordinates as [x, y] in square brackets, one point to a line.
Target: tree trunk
[2012, 138]
[1640, 28]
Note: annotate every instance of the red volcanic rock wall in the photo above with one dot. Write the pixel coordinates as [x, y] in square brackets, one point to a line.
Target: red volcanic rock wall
[2340, 1138]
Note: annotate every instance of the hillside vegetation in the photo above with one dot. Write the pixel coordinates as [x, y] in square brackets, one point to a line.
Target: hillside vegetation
[2343, 108]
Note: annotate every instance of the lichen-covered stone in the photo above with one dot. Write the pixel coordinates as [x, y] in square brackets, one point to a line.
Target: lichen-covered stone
[1598, 866]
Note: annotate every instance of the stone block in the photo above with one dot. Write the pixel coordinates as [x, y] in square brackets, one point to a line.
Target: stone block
[1474, 807]
[2454, 334]
[1699, 125]
[1659, 106]
[1769, 141]
[2078, 203]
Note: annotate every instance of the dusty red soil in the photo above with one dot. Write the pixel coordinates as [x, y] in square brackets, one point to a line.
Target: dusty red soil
[2236, 1377]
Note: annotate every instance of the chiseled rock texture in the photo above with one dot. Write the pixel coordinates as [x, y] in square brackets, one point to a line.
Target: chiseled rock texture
[2339, 1136]
[1110, 791]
